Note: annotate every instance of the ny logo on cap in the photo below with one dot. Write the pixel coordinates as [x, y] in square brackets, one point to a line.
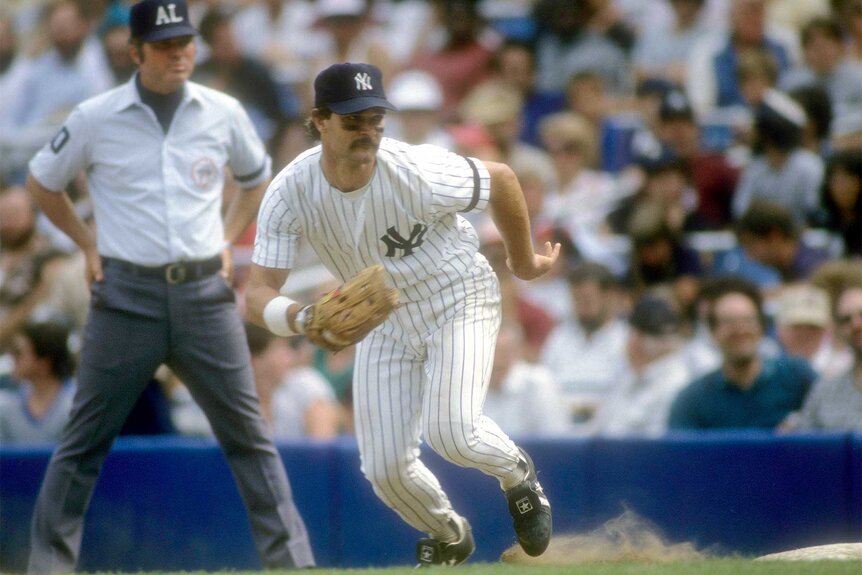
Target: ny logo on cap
[169, 16]
[363, 81]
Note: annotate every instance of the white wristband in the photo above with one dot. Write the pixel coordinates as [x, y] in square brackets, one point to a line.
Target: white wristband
[275, 315]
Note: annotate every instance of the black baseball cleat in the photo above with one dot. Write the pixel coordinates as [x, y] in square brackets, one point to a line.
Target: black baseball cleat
[531, 511]
[434, 552]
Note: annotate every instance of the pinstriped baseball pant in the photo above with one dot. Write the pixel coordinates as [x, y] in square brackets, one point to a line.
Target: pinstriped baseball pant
[134, 325]
[424, 373]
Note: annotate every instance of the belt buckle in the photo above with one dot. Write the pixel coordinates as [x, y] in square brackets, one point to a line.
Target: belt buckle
[175, 273]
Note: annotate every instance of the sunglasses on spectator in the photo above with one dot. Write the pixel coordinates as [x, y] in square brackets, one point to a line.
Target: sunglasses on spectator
[846, 318]
[567, 148]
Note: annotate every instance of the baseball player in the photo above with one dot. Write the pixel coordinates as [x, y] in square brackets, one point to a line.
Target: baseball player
[154, 151]
[362, 200]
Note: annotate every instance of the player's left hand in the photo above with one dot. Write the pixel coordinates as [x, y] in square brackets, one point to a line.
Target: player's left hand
[540, 264]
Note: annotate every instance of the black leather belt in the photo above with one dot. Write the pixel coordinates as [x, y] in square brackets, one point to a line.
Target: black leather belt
[175, 273]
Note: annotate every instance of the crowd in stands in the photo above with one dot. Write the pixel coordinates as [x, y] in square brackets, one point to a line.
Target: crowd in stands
[700, 161]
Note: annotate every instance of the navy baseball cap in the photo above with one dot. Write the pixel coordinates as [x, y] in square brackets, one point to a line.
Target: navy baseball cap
[155, 20]
[653, 315]
[675, 106]
[349, 88]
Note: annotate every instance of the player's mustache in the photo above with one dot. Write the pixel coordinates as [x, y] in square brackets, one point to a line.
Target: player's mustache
[363, 142]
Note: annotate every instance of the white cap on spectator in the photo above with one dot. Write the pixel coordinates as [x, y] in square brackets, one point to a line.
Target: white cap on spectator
[415, 90]
[334, 8]
[802, 305]
[785, 107]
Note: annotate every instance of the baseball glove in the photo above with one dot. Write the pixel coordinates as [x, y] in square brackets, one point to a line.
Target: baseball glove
[346, 314]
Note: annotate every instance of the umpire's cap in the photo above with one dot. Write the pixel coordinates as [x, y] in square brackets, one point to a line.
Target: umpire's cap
[349, 88]
[155, 20]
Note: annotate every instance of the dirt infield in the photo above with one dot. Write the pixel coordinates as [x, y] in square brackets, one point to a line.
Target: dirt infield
[627, 538]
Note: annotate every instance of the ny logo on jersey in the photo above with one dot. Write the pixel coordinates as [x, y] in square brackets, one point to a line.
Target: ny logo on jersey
[363, 81]
[395, 241]
[169, 16]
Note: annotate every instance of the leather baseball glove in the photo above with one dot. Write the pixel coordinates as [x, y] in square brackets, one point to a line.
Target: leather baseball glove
[346, 314]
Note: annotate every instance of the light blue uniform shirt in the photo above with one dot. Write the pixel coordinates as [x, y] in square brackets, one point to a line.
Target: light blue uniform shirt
[157, 196]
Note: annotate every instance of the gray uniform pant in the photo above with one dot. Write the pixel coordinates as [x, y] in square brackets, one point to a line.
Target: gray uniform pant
[136, 324]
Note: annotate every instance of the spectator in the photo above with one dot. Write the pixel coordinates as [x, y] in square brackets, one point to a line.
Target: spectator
[712, 80]
[607, 19]
[666, 185]
[523, 396]
[552, 291]
[269, 106]
[663, 52]
[295, 400]
[803, 320]
[28, 262]
[842, 199]
[587, 95]
[781, 170]
[496, 107]
[585, 194]
[827, 65]
[818, 111]
[72, 70]
[515, 65]
[747, 391]
[794, 14]
[836, 403]
[348, 34]
[768, 235]
[462, 58]
[639, 404]
[44, 365]
[114, 34]
[660, 259]
[702, 353]
[12, 68]
[534, 322]
[567, 45]
[419, 100]
[846, 134]
[585, 352]
[756, 73]
[649, 96]
[712, 175]
[849, 12]
[279, 33]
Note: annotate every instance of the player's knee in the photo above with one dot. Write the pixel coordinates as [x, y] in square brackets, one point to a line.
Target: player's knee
[386, 478]
[452, 439]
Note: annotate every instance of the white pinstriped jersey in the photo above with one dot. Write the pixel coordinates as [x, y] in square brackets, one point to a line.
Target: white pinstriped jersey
[405, 218]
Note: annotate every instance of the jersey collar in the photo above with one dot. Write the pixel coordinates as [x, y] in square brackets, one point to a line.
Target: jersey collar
[129, 95]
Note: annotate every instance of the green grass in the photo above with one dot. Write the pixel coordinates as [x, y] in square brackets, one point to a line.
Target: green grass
[705, 567]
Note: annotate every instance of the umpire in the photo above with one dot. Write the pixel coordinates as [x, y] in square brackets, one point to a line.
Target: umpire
[154, 151]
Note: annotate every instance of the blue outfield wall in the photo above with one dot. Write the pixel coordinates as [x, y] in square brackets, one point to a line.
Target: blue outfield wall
[171, 504]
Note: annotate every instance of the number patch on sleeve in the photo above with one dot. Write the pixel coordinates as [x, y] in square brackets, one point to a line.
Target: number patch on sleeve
[60, 140]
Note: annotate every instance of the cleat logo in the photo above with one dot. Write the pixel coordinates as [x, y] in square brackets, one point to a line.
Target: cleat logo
[524, 505]
[426, 554]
